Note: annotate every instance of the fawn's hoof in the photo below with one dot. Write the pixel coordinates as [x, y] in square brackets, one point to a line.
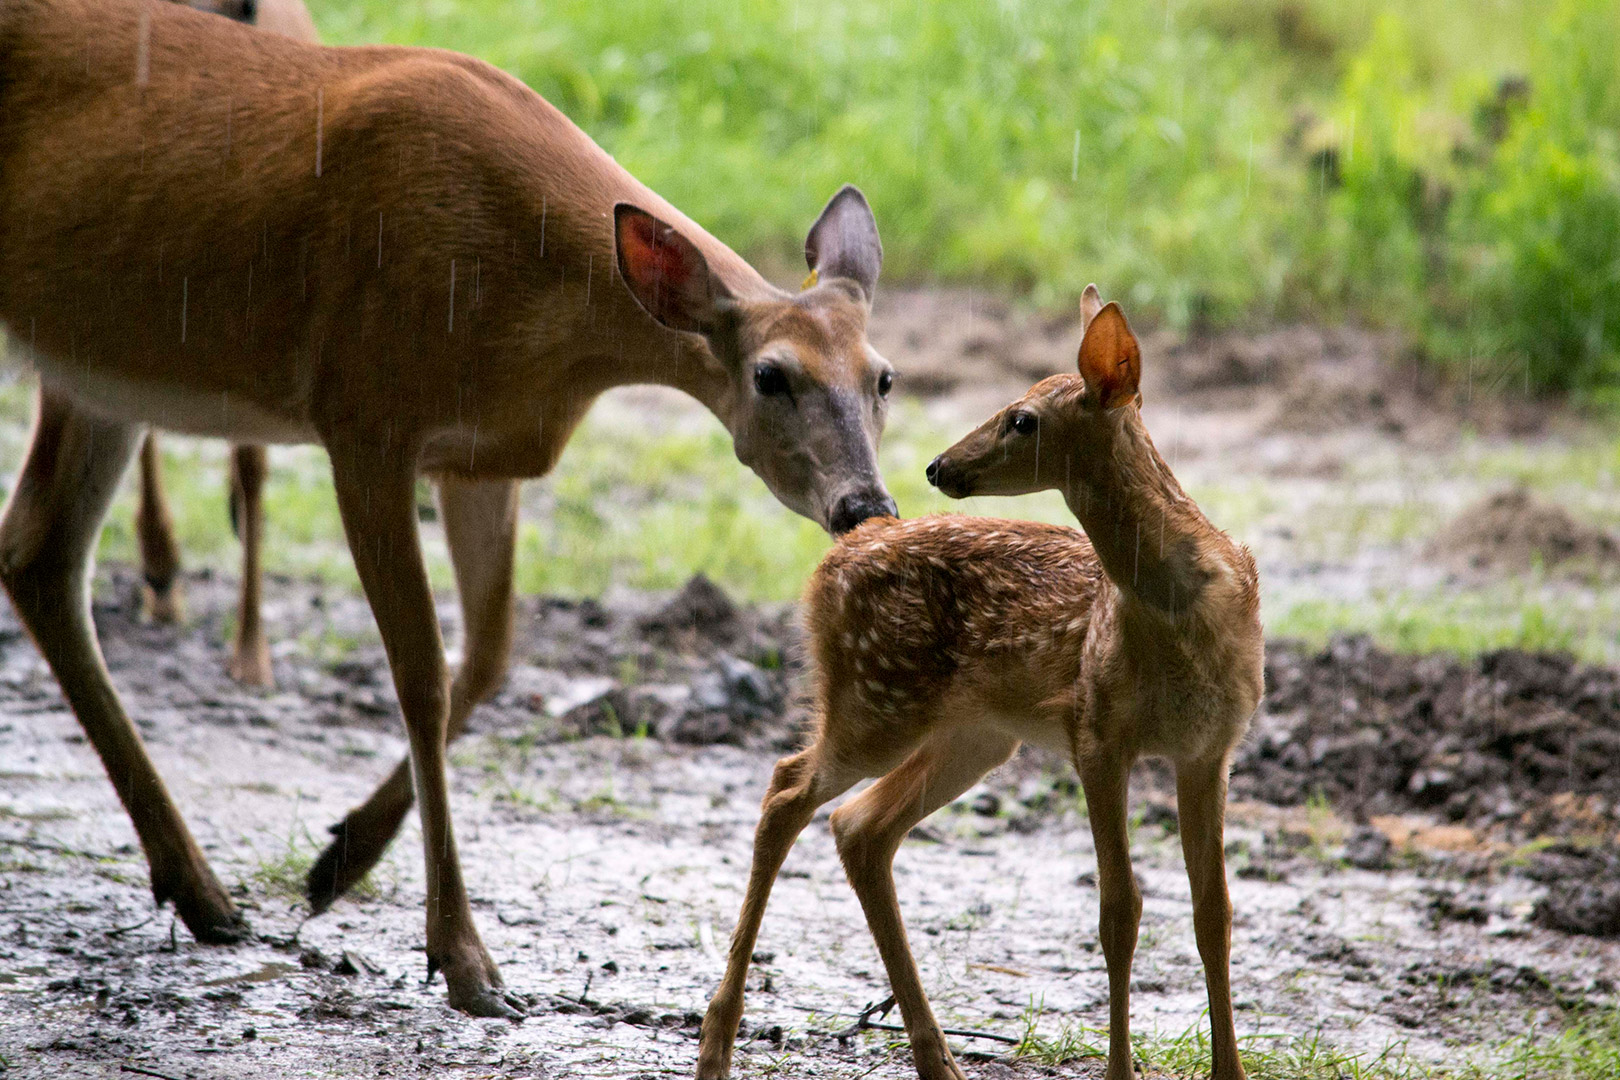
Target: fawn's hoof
[937, 1064]
[714, 1051]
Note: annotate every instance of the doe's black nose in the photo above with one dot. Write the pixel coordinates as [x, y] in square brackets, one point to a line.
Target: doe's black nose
[854, 509]
[933, 472]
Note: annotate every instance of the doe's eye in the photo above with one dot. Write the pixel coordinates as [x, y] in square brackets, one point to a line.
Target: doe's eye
[770, 380]
[1023, 423]
[885, 383]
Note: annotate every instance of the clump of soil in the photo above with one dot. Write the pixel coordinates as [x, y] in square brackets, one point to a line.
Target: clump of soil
[1514, 531]
[1583, 895]
[1523, 742]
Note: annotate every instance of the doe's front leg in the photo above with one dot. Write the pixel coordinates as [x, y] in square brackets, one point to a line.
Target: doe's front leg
[376, 491]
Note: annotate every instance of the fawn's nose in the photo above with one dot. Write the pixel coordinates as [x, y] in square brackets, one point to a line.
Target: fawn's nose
[933, 472]
[854, 509]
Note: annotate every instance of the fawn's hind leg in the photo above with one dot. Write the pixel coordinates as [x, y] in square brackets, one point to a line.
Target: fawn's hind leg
[1201, 803]
[47, 545]
[869, 830]
[1105, 779]
[800, 784]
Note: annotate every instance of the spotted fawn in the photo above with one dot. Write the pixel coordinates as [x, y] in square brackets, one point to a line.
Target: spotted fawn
[942, 643]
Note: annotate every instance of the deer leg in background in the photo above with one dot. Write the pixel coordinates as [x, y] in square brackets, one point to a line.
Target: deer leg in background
[161, 599]
[250, 652]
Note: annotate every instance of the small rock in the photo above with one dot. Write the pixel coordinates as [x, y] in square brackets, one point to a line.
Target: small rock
[1369, 849]
[986, 804]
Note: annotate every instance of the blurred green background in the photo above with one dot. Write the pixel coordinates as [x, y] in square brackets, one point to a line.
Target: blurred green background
[1447, 167]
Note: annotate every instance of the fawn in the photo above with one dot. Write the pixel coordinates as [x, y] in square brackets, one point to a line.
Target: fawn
[942, 643]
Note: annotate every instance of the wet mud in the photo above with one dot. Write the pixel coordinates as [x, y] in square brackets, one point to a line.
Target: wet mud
[1400, 828]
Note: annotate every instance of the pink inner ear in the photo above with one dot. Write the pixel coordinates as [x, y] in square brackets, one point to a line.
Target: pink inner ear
[651, 260]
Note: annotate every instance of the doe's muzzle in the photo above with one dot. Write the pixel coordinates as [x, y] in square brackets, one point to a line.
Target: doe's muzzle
[855, 508]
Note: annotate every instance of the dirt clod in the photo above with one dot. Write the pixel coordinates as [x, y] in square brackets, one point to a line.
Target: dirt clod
[1514, 531]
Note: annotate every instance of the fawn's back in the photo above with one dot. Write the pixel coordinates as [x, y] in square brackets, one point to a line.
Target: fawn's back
[982, 612]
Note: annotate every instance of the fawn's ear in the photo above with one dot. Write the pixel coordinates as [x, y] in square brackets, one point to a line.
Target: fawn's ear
[844, 241]
[1090, 304]
[665, 272]
[1110, 359]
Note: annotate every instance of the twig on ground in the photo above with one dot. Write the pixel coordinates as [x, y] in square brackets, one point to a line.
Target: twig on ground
[58, 849]
[127, 1067]
[118, 931]
[864, 1022]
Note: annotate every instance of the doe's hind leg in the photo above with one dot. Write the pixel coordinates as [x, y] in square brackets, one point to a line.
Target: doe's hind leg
[47, 544]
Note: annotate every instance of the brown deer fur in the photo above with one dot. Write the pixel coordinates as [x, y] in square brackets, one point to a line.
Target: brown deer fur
[411, 259]
[942, 643]
[161, 598]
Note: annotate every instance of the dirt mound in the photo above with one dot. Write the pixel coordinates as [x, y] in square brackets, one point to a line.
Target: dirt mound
[1525, 743]
[1514, 531]
[941, 338]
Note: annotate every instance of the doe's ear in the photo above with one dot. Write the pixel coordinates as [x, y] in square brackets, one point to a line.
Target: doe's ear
[665, 272]
[1110, 358]
[844, 241]
[1090, 304]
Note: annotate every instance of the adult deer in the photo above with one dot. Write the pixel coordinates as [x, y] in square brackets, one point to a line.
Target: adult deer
[154, 523]
[942, 643]
[409, 258]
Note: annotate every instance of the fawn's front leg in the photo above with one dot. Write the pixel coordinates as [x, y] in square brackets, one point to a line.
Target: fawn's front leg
[376, 489]
[869, 830]
[1201, 803]
[480, 527]
[1105, 780]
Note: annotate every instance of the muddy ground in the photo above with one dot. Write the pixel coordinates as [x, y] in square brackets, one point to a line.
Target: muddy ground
[1422, 849]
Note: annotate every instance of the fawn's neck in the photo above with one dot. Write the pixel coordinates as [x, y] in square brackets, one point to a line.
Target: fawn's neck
[1151, 539]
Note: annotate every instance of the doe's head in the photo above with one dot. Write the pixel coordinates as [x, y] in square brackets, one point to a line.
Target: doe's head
[806, 396]
[1046, 438]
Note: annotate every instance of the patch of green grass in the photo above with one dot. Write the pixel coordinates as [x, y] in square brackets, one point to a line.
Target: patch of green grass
[1586, 1047]
[1464, 622]
[1032, 143]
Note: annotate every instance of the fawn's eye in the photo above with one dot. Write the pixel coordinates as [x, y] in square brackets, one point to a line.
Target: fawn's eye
[770, 380]
[885, 383]
[1022, 423]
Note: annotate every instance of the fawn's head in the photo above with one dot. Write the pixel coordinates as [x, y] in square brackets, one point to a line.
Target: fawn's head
[807, 395]
[1047, 438]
